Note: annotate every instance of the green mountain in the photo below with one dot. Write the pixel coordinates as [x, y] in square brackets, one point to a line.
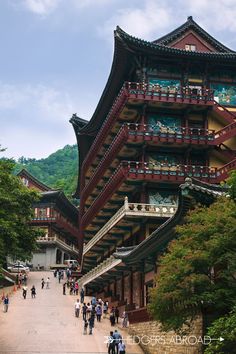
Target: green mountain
[58, 170]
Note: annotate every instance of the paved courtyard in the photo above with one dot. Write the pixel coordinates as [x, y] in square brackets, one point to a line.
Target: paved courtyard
[47, 323]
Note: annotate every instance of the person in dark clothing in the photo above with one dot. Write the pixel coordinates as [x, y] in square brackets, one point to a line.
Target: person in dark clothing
[82, 295]
[84, 311]
[112, 319]
[64, 289]
[91, 324]
[117, 314]
[42, 283]
[33, 292]
[99, 313]
[111, 344]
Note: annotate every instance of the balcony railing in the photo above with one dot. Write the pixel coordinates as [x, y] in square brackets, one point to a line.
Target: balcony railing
[146, 92]
[60, 221]
[132, 209]
[134, 132]
[154, 172]
[58, 240]
[102, 268]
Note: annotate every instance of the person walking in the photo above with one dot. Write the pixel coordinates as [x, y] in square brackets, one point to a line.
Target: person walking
[111, 344]
[117, 337]
[84, 311]
[91, 324]
[6, 303]
[117, 314]
[24, 288]
[33, 292]
[42, 283]
[121, 347]
[77, 308]
[64, 288]
[125, 320]
[82, 295]
[47, 283]
[99, 313]
[85, 326]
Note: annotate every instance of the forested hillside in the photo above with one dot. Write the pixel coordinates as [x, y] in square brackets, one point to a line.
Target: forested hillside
[59, 170]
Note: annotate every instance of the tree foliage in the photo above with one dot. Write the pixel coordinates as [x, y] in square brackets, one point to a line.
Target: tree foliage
[59, 170]
[17, 238]
[199, 267]
[224, 327]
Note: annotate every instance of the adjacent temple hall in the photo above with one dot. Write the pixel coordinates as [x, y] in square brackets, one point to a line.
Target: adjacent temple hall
[163, 130]
[57, 217]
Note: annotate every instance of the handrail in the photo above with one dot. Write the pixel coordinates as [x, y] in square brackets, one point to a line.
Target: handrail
[148, 90]
[156, 210]
[103, 267]
[59, 240]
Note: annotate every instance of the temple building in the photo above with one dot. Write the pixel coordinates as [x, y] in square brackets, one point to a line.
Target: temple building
[58, 218]
[167, 113]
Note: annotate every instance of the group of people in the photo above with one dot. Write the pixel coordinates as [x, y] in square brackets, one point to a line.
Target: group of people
[115, 343]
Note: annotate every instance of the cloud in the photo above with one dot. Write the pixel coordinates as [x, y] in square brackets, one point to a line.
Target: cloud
[142, 22]
[41, 7]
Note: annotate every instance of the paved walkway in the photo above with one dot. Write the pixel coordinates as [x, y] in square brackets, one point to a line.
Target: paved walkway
[47, 324]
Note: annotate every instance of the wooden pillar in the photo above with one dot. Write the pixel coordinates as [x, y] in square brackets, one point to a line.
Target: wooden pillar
[115, 287]
[143, 197]
[131, 287]
[122, 287]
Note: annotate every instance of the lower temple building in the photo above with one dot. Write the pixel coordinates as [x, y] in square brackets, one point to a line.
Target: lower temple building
[167, 113]
[57, 217]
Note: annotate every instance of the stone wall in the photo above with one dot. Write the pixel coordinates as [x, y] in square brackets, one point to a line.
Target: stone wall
[154, 341]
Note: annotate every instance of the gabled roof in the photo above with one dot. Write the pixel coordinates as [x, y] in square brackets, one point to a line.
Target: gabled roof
[190, 24]
[34, 180]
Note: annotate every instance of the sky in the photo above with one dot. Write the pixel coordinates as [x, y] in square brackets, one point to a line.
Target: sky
[56, 56]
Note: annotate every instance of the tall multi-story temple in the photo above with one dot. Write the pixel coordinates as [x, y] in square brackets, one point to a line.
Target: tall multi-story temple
[57, 217]
[167, 113]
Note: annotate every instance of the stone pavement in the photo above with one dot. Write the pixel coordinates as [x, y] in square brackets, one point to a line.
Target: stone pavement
[47, 323]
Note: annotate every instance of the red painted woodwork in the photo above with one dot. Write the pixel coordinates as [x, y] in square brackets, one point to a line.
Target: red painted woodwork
[191, 38]
[60, 221]
[144, 92]
[132, 132]
[132, 170]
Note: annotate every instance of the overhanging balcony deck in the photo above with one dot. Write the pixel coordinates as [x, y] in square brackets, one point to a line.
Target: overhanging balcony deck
[144, 171]
[135, 210]
[98, 271]
[133, 92]
[140, 133]
[58, 221]
[58, 241]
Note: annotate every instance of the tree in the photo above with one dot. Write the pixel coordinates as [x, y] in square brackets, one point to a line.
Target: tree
[198, 269]
[17, 237]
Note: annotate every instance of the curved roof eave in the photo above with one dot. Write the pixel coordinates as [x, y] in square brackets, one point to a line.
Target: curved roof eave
[113, 85]
[140, 45]
[188, 25]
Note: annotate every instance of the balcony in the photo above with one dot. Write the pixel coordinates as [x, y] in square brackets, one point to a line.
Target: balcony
[59, 221]
[134, 92]
[58, 241]
[129, 170]
[135, 210]
[102, 268]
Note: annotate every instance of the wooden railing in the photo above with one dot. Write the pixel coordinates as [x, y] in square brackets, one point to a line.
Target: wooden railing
[132, 209]
[60, 220]
[102, 268]
[154, 172]
[145, 92]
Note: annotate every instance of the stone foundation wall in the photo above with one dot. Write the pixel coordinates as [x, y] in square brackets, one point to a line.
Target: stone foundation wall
[153, 341]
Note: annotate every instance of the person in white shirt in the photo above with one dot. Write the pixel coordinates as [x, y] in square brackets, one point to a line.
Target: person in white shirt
[77, 308]
[121, 347]
[47, 283]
